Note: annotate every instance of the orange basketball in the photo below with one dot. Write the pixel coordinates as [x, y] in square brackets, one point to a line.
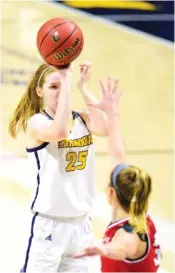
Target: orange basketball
[60, 41]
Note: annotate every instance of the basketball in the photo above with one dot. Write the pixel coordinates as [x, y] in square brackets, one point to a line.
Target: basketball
[60, 41]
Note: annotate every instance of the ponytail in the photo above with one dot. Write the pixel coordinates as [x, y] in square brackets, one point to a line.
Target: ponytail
[30, 103]
[139, 202]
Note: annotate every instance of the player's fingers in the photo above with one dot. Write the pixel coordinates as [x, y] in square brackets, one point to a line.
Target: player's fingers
[86, 70]
[102, 86]
[91, 250]
[82, 67]
[115, 87]
[87, 63]
[79, 255]
[109, 85]
[119, 94]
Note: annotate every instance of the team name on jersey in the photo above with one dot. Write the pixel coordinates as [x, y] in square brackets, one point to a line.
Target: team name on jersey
[80, 142]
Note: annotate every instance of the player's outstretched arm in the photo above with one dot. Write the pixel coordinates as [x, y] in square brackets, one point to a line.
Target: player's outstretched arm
[96, 119]
[123, 245]
[59, 128]
[110, 105]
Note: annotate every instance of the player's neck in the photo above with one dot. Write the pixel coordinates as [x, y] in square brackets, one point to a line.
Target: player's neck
[118, 214]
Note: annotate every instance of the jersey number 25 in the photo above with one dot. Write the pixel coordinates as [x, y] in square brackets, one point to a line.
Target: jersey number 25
[76, 161]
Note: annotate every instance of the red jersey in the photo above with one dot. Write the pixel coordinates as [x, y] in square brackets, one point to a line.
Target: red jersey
[149, 262]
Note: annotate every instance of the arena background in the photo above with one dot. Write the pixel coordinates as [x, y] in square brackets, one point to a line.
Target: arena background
[129, 39]
[153, 17]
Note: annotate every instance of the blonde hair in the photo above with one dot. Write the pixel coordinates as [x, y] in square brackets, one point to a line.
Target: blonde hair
[133, 187]
[30, 103]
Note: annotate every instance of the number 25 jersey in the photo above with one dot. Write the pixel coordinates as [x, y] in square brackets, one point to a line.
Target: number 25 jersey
[64, 173]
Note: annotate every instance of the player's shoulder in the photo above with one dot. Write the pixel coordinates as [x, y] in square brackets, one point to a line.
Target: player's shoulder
[37, 117]
[36, 120]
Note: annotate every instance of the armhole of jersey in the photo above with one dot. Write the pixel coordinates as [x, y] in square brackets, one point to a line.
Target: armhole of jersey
[78, 115]
[128, 228]
[42, 145]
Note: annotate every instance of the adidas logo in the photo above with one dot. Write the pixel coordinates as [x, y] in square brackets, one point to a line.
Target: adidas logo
[49, 238]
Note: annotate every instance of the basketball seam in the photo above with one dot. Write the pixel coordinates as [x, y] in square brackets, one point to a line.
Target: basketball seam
[76, 50]
[61, 43]
[50, 31]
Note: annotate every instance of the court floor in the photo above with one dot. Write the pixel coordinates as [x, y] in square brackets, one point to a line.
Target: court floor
[144, 66]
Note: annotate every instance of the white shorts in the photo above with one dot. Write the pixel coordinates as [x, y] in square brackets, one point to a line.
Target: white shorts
[52, 243]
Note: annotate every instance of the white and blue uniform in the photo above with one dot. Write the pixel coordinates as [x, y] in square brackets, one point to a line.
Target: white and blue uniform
[62, 200]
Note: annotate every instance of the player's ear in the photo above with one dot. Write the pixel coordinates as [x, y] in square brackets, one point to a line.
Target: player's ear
[39, 92]
[109, 192]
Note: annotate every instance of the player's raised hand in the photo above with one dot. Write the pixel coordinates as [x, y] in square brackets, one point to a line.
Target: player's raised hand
[65, 73]
[85, 73]
[63, 70]
[110, 96]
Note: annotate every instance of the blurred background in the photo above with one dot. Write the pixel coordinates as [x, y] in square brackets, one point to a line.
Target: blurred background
[152, 17]
[133, 40]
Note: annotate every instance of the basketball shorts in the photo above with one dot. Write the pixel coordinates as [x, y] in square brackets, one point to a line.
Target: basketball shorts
[52, 243]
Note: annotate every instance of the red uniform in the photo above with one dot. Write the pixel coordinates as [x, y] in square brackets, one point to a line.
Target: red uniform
[149, 262]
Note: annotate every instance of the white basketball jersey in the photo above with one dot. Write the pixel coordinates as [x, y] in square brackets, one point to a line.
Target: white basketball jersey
[65, 173]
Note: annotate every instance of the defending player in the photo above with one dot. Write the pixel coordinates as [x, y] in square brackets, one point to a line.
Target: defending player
[129, 243]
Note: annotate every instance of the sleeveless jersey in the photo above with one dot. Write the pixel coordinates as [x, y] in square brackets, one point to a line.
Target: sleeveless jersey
[149, 262]
[64, 173]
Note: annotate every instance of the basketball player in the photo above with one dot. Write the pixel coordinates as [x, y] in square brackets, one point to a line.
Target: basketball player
[129, 243]
[60, 146]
